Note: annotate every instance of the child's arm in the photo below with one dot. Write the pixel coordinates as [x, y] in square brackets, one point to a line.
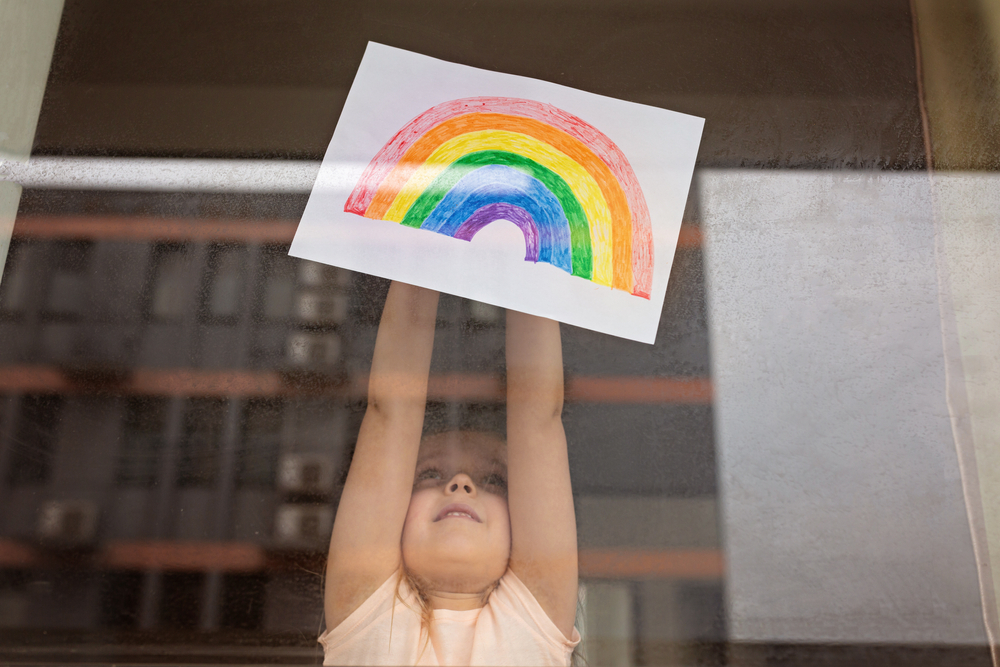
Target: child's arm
[365, 546]
[542, 522]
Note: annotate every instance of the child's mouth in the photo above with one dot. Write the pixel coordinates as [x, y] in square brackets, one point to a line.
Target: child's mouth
[457, 511]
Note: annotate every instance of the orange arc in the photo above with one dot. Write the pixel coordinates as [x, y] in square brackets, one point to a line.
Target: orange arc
[575, 149]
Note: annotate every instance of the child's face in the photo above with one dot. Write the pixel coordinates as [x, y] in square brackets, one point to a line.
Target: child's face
[457, 532]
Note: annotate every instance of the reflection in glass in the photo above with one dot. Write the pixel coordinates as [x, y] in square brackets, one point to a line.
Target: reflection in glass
[171, 264]
[180, 606]
[310, 350]
[120, 594]
[242, 602]
[14, 283]
[198, 464]
[68, 262]
[278, 271]
[142, 442]
[34, 440]
[484, 314]
[225, 282]
[257, 461]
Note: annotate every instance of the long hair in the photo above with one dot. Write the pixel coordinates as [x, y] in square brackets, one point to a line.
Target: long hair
[419, 592]
[577, 658]
[424, 609]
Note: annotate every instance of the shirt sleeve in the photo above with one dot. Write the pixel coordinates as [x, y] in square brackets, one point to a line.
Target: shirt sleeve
[513, 594]
[362, 616]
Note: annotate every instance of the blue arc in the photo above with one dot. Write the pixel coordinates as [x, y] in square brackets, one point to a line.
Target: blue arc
[500, 184]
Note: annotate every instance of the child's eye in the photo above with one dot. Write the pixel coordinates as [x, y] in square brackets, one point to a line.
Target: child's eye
[428, 474]
[496, 481]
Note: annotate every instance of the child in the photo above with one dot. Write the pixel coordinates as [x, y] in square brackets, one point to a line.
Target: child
[455, 549]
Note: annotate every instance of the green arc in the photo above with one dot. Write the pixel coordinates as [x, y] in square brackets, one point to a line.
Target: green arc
[579, 226]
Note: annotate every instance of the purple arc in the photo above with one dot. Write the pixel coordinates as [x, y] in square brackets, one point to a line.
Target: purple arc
[501, 211]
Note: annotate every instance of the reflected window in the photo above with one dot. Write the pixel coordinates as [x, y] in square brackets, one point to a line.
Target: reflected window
[198, 464]
[224, 288]
[34, 440]
[306, 349]
[316, 308]
[180, 604]
[142, 442]
[315, 275]
[258, 460]
[278, 277]
[171, 264]
[483, 315]
[67, 283]
[14, 283]
[243, 600]
[321, 300]
[120, 598]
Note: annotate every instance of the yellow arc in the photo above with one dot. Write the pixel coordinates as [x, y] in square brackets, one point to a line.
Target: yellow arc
[586, 189]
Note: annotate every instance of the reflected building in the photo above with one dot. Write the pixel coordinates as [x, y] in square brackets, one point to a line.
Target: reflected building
[181, 398]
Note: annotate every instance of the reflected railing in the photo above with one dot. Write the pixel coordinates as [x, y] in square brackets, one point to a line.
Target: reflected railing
[179, 400]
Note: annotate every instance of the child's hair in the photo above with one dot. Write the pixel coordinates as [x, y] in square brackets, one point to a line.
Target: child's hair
[424, 607]
[577, 658]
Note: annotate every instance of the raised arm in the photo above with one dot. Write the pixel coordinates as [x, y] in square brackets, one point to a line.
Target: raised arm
[365, 546]
[542, 522]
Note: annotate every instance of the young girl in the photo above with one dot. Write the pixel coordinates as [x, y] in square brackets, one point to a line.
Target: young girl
[454, 549]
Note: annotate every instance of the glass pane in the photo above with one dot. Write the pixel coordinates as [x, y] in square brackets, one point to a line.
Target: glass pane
[198, 464]
[139, 457]
[225, 282]
[34, 440]
[801, 469]
[66, 291]
[262, 429]
[278, 282]
[13, 291]
[169, 281]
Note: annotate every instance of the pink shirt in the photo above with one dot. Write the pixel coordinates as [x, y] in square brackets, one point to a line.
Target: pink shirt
[511, 629]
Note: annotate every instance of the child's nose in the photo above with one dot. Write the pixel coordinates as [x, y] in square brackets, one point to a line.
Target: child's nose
[463, 482]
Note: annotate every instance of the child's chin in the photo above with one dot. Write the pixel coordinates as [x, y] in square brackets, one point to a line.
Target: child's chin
[474, 578]
[460, 553]
[458, 523]
[460, 549]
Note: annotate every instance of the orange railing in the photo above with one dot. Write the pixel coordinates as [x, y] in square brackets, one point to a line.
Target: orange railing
[245, 557]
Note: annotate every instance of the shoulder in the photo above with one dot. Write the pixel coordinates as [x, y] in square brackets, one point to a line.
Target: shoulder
[513, 629]
[385, 629]
[512, 600]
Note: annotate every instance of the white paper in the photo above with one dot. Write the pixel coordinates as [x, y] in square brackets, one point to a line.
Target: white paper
[391, 88]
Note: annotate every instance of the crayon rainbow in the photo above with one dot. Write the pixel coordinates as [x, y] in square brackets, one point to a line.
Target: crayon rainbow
[570, 190]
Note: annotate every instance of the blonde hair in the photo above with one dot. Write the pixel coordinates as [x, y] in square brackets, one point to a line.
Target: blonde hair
[427, 613]
[423, 604]
[424, 608]
[419, 592]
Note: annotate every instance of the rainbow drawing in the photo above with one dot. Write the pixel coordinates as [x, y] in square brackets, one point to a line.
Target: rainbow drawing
[465, 163]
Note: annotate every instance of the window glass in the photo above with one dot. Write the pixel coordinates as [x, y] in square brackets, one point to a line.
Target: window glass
[139, 457]
[198, 463]
[257, 464]
[67, 281]
[278, 276]
[34, 440]
[224, 293]
[800, 470]
[171, 276]
[14, 288]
